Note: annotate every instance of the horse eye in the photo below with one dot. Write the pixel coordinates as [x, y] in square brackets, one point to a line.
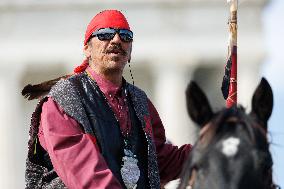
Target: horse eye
[196, 166]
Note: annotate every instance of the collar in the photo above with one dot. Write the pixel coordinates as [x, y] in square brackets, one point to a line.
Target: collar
[106, 86]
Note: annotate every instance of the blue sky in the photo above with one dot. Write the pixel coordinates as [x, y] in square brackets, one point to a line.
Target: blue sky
[273, 70]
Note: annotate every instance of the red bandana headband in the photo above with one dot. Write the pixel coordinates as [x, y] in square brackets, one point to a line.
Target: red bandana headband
[104, 19]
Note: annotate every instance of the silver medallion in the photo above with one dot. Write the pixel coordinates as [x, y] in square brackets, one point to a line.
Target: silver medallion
[130, 171]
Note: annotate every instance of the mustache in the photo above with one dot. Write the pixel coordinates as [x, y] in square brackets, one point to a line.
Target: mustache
[116, 48]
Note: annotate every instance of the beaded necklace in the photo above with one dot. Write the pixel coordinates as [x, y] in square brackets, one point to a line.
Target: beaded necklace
[122, 107]
[129, 171]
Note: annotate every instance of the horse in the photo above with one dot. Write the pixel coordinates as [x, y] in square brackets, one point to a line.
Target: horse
[232, 150]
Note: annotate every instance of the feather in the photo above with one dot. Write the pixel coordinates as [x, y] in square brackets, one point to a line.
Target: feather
[37, 91]
[226, 79]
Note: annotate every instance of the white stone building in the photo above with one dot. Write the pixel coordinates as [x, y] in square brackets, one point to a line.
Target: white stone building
[175, 41]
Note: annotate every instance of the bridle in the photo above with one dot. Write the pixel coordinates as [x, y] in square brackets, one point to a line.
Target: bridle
[207, 133]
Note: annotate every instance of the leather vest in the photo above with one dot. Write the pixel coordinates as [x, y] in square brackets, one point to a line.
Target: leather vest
[81, 98]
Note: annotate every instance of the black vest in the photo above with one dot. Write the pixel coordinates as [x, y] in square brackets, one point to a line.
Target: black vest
[82, 99]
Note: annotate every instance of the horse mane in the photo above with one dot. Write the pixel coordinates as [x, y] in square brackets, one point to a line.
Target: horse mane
[220, 117]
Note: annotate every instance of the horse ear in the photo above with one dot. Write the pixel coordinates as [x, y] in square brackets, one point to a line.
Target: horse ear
[198, 106]
[262, 102]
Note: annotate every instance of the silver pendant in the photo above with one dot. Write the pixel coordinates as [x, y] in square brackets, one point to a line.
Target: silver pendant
[130, 171]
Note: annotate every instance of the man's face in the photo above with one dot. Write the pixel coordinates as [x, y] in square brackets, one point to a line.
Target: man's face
[108, 55]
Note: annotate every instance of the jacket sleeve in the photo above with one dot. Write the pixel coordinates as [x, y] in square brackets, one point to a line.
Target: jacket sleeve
[73, 153]
[170, 157]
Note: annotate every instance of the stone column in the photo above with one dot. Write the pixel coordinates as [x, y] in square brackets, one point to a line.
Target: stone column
[171, 79]
[13, 134]
[248, 79]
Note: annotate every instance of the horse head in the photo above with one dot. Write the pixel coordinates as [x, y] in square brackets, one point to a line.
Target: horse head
[232, 150]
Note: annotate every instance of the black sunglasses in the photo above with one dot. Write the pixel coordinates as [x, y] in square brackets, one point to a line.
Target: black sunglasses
[107, 34]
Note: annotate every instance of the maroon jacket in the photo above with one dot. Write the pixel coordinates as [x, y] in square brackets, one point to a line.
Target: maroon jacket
[75, 155]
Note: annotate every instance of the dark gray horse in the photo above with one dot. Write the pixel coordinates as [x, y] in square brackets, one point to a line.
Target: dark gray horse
[232, 151]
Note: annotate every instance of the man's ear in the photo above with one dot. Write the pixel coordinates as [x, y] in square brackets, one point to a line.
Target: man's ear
[262, 102]
[87, 50]
[198, 106]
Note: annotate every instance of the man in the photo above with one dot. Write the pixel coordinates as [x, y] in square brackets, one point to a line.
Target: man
[94, 129]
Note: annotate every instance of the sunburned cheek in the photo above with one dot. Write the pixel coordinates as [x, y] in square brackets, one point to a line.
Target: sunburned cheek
[230, 146]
